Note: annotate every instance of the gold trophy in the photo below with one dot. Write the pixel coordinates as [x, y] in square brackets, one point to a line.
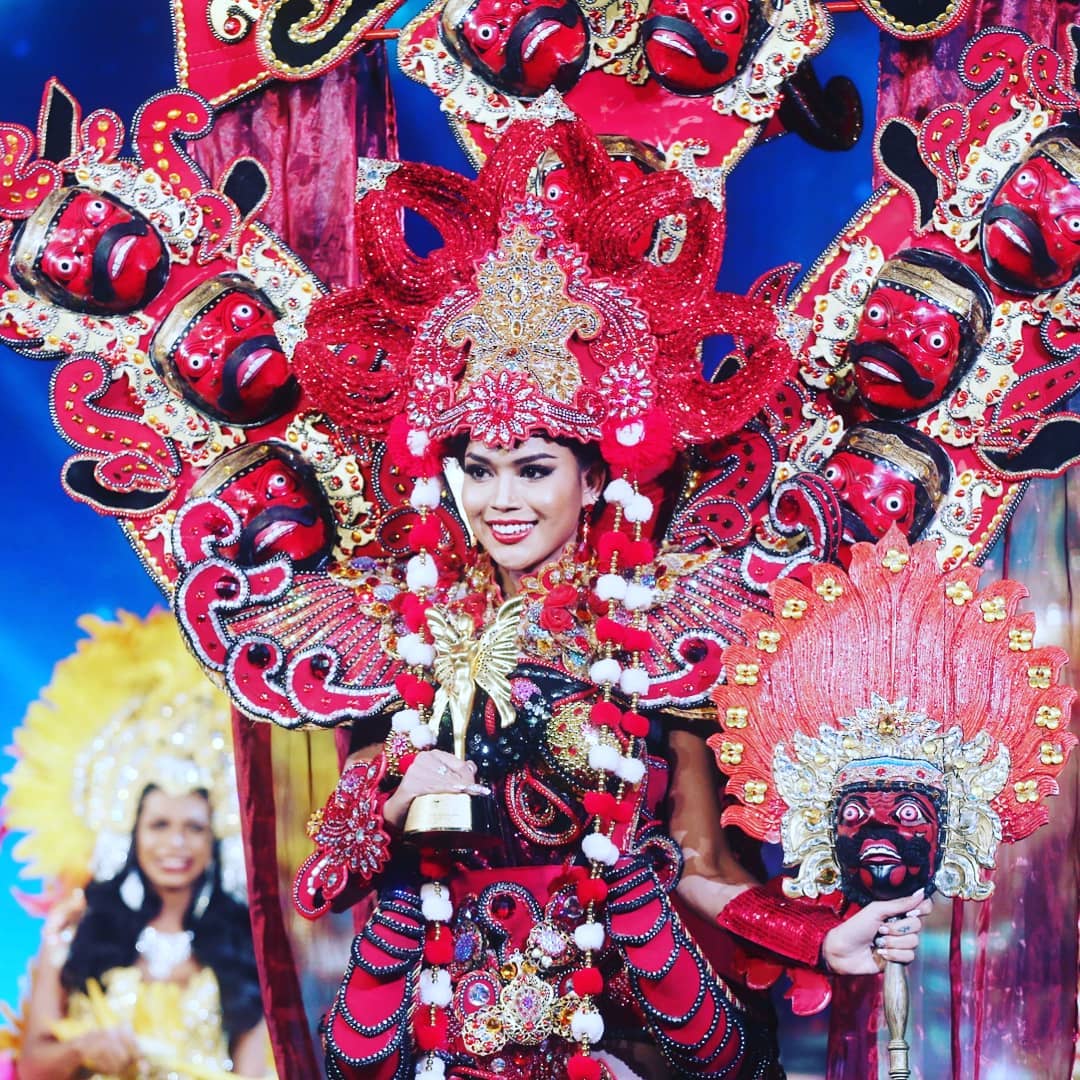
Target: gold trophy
[464, 662]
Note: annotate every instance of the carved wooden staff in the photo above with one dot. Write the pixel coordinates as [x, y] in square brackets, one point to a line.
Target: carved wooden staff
[896, 1018]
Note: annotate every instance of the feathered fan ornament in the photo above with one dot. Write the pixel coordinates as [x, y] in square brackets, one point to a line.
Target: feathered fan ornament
[890, 726]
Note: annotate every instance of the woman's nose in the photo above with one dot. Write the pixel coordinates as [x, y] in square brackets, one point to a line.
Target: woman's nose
[505, 492]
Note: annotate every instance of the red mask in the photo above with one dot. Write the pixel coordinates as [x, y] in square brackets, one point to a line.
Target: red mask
[102, 257]
[693, 46]
[282, 512]
[873, 496]
[886, 840]
[905, 350]
[521, 48]
[1030, 233]
[230, 363]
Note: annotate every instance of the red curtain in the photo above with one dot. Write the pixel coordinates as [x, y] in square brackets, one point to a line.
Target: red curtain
[308, 136]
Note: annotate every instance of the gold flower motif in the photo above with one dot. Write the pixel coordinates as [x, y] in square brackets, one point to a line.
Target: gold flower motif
[1049, 717]
[830, 590]
[746, 674]
[755, 791]
[895, 561]
[767, 640]
[1026, 791]
[1020, 640]
[737, 716]
[959, 592]
[993, 609]
[1050, 754]
[1039, 677]
[731, 753]
[793, 608]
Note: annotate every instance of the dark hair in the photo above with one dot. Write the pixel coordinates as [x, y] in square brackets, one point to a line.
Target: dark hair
[106, 936]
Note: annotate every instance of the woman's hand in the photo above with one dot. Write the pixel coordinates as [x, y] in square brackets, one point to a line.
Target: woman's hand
[433, 772]
[111, 1052]
[883, 930]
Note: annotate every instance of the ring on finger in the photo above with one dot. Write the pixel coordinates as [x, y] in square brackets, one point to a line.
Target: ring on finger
[442, 770]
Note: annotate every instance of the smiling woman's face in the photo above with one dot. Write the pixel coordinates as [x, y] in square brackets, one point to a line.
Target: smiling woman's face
[524, 505]
[173, 840]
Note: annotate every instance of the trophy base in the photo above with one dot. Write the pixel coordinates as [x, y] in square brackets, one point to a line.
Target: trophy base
[452, 820]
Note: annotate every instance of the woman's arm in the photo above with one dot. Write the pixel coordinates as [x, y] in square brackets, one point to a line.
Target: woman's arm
[794, 929]
[249, 1051]
[43, 1056]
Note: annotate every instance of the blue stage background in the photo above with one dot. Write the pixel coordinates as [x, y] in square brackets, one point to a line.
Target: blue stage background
[786, 201]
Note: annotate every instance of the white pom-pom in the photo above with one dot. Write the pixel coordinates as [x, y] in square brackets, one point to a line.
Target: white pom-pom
[437, 908]
[639, 597]
[432, 888]
[417, 441]
[634, 680]
[638, 508]
[426, 493]
[422, 737]
[435, 986]
[431, 1068]
[603, 757]
[587, 1024]
[630, 769]
[421, 573]
[619, 492]
[405, 720]
[415, 651]
[600, 849]
[610, 587]
[630, 434]
[589, 937]
[605, 672]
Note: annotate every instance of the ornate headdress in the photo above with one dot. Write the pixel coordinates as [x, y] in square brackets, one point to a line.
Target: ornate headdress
[535, 318]
[897, 674]
[128, 709]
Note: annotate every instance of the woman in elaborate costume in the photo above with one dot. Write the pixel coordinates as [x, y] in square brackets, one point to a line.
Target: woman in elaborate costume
[521, 799]
[125, 769]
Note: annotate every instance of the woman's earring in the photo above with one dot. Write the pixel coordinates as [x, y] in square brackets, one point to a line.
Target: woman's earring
[132, 890]
[583, 528]
[202, 901]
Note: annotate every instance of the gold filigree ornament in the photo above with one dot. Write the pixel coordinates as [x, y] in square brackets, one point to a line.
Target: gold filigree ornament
[128, 709]
[887, 681]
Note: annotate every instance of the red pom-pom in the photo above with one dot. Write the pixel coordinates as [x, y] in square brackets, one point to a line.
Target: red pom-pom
[426, 533]
[438, 945]
[600, 803]
[588, 982]
[414, 612]
[639, 552]
[611, 545]
[605, 714]
[623, 811]
[401, 441]
[633, 723]
[652, 453]
[636, 640]
[591, 890]
[432, 1028]
[580, 1067]
[434, 865]
[415, 692]
[609, 630]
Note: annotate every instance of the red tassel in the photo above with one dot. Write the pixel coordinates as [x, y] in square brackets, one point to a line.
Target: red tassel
[623, 811]
[600, 803]
[609, 630]
[637, 641]
[588, 982]
[611, 545]
[413, 611]
[580, 1067]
